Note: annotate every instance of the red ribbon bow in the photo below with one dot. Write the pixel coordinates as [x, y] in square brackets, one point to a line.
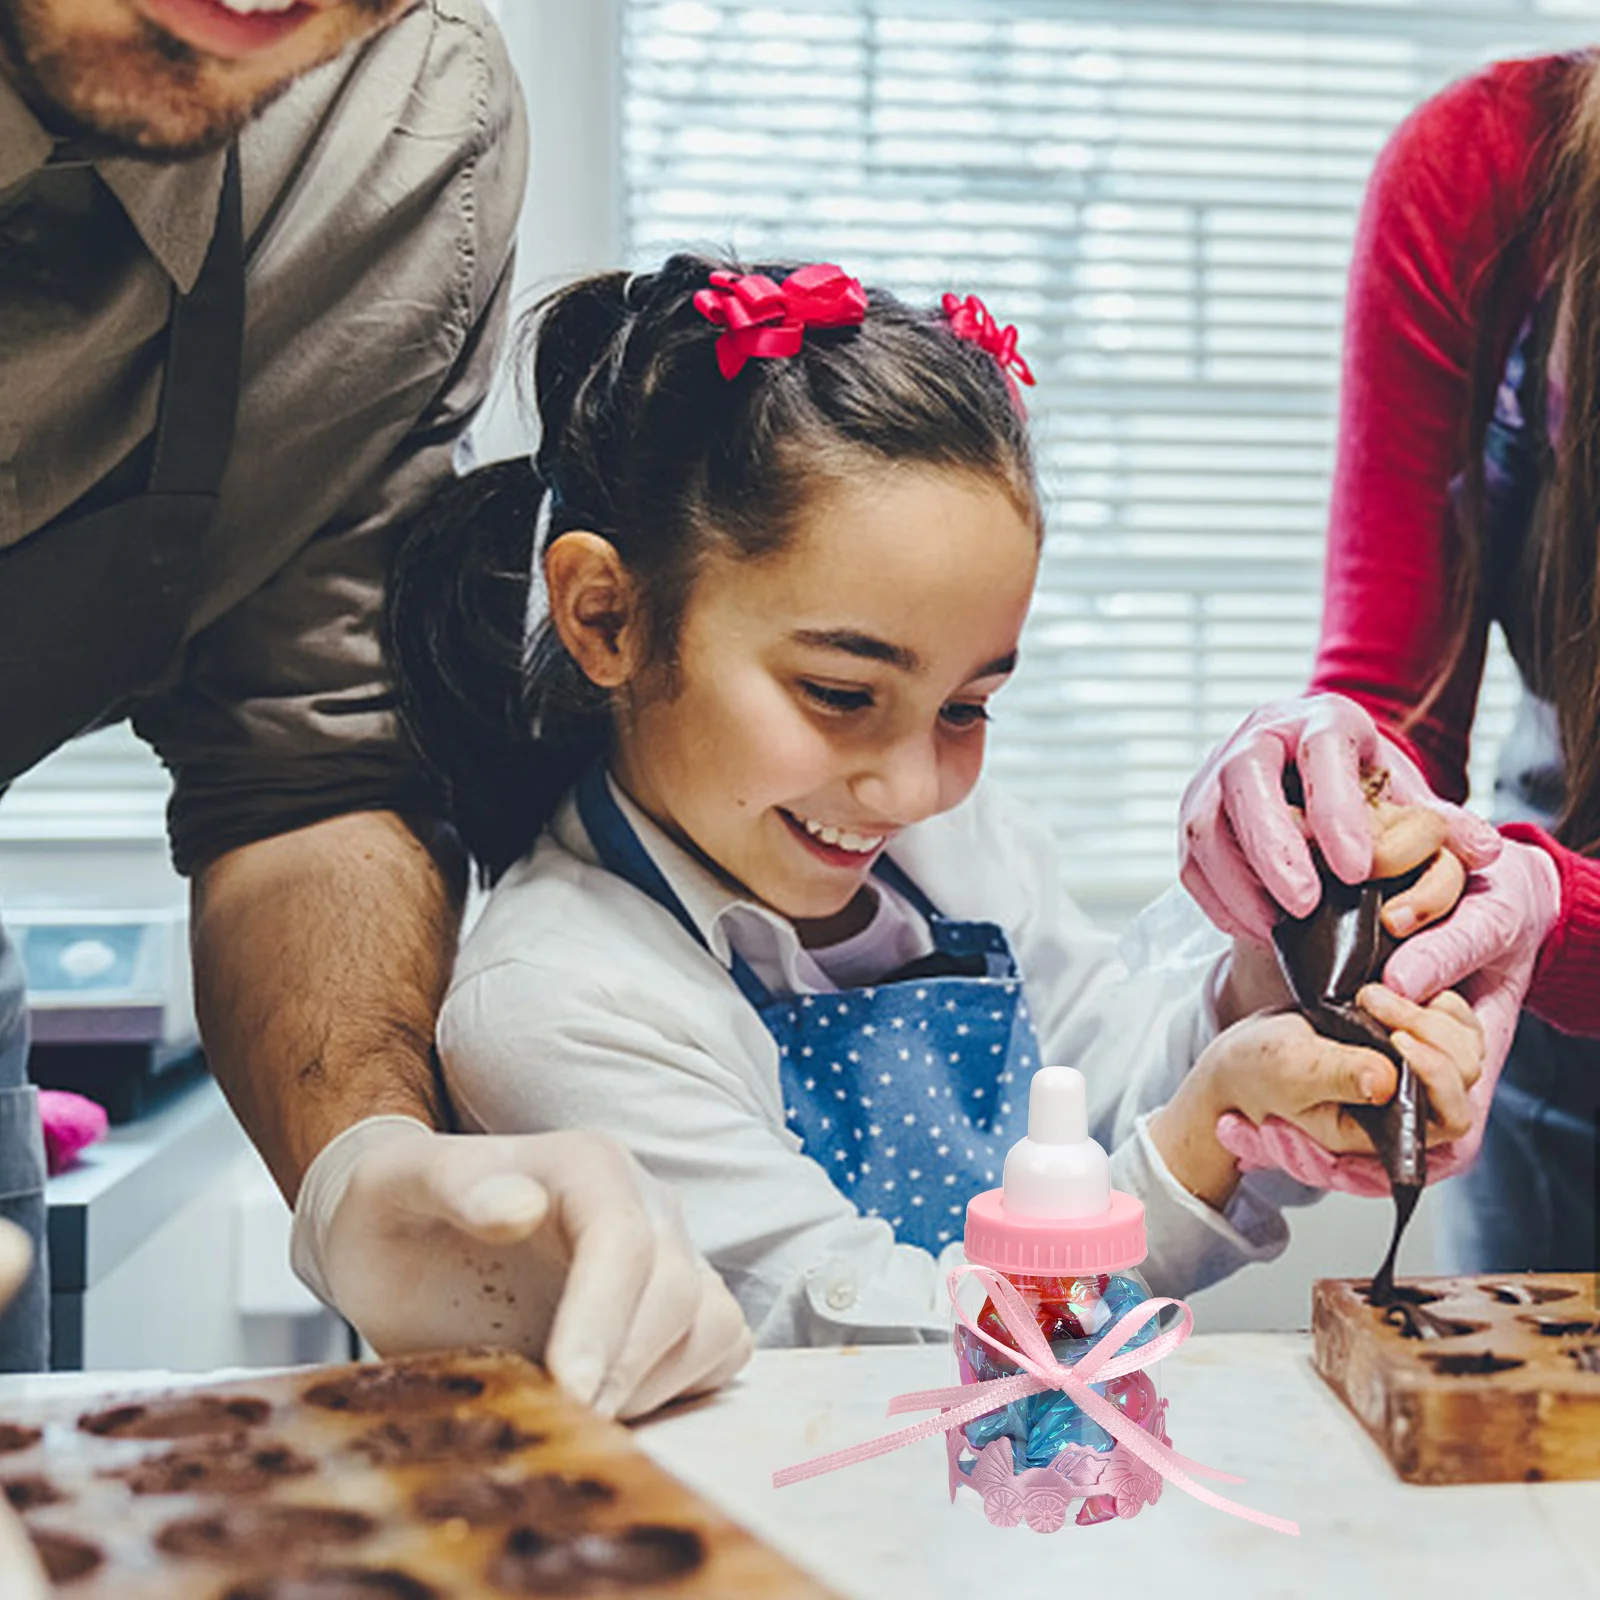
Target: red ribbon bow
[970, 319]
[768, 319]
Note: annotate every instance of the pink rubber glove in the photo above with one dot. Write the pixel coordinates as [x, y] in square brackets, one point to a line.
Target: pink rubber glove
[1244, 851]
[1487, 949]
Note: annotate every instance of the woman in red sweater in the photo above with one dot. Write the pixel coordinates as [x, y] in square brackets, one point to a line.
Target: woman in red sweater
[1467, 493]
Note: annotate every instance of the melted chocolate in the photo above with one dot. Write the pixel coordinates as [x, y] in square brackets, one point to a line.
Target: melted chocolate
[14, 1438]
[547, 1499]
[182, 1417]
[1526, 1294]
[64, 1558]
[28, 1494]
[471, 1441]
[247, 1532]
[394, 1390]
[1561, 1327]
[336, 1583]
[1479, 1364]
[232, 1466]
[532, 1562]
[1416, 1323]
[1326, 958]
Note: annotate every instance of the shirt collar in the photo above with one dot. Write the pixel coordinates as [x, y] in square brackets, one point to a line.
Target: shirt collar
[173, 204]
[726, 919]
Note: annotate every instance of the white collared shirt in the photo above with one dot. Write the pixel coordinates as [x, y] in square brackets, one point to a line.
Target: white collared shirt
[578, 1002]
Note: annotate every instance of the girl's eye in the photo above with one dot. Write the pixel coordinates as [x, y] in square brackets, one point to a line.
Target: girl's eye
[965, 713]
[835, 699]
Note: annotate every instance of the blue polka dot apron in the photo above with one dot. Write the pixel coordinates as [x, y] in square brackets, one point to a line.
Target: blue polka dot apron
[908, 1092]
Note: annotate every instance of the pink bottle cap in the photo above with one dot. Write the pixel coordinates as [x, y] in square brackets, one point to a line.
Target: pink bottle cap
[1054, 1246]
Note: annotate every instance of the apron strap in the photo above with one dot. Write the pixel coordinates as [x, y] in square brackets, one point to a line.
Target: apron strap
[621, 852]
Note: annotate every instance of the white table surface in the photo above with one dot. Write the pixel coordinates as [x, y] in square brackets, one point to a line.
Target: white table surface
[1245, 1403]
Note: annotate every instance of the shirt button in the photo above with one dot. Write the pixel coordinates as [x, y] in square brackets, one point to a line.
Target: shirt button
[841, 1296]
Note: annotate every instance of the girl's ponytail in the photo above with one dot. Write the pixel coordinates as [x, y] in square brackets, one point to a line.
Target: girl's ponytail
[455, 625]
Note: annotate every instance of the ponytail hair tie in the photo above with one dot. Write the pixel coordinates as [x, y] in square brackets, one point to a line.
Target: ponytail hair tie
[768, 320]
[970, 319]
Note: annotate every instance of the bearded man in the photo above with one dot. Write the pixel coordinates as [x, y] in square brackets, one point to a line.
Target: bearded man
[255, 259]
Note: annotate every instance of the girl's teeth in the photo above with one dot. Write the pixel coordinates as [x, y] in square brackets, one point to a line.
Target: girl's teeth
[860, 843]
[248, 8]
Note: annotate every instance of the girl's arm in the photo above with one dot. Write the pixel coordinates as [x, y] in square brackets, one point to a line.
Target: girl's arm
[526, 1049]
[1133, 1016]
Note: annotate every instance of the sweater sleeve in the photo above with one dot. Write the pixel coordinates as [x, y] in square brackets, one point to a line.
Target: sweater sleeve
[1564, 992]
[1453, 184]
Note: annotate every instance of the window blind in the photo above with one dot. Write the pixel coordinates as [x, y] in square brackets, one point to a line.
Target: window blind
[1162, 197]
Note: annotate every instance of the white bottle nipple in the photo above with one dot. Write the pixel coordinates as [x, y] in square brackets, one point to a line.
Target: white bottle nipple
[1058, 1171]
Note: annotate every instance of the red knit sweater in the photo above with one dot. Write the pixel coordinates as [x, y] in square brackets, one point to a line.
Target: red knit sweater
[1455, 182]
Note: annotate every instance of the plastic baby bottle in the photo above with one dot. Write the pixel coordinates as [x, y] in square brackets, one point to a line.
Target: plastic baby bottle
[1070, 1245]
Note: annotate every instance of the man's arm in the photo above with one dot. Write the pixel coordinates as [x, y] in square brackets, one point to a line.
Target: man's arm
[321, 957]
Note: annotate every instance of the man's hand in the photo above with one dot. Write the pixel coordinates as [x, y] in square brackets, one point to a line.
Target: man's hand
[556, 1244]
[321, 957]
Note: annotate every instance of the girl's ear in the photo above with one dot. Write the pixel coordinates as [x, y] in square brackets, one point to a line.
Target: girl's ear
[594, 604]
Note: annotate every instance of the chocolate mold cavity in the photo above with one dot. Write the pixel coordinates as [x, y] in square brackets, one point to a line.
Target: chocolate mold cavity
[248, 1532]
[1416, 1323]
[28, 1494]
[1525, 1294]
[1561, 1327]
[232, 1466]
[182, 1417]
[531, 1562]
[404, 1390]
[547, 1499]
[14, 1438]
[336, 1583]
[469, 1441]
[1404, 1294]
[1477, 1364]
[64, 1558]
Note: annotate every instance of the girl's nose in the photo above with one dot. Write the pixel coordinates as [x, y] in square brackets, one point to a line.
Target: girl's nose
[901, 785]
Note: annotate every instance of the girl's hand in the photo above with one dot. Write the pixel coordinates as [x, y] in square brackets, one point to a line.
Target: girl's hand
[1403, 837]
[1282, 1093]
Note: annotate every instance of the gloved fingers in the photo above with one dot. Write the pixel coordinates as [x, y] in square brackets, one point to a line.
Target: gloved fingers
[1224, 884]
[1338, 747]
[716, 1346]
[1442, 1040]
[1432, 897]
[1265, 830]
[1480, 932]
[613, 1245]
[661, 1320]
[469, 1182]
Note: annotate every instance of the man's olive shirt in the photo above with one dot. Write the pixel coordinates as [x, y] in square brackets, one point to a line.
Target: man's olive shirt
[381, 196]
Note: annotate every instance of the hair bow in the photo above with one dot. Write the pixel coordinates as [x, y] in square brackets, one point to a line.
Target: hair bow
[768, 319]
[970, 319]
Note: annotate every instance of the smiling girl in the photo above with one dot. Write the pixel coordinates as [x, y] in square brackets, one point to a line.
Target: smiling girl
[755, 915]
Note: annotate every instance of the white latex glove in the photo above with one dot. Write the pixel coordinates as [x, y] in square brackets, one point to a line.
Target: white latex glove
[21, 1577]
[1243, 851]
[555, 1244]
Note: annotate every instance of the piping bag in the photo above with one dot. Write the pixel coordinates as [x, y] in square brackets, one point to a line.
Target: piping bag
[1325, 959]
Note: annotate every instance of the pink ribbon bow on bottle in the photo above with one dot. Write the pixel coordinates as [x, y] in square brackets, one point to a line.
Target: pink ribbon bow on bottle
[1041, 1371]
[971, 319]
[767, 319]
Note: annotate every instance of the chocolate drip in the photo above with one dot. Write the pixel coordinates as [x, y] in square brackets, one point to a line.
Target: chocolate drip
[1326, 958]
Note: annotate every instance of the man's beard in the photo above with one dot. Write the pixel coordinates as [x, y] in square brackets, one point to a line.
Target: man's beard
[149, 96]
